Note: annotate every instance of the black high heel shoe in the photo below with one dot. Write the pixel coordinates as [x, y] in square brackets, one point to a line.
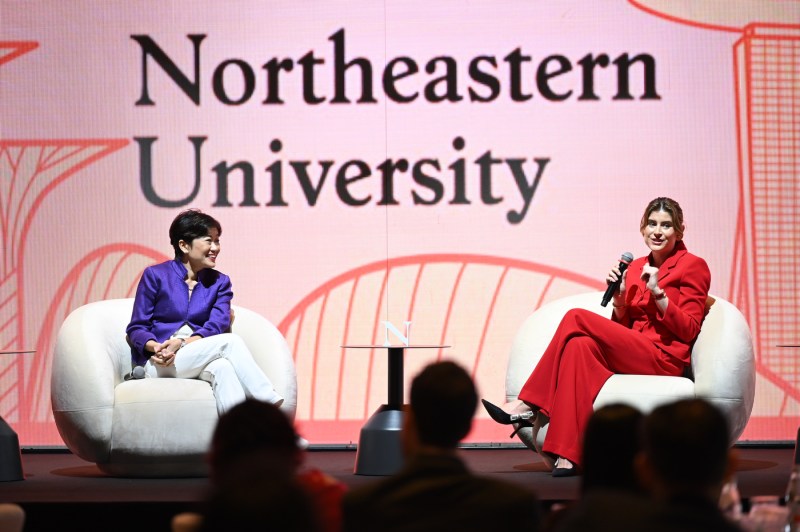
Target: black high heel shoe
[561, 472]
[522, 420]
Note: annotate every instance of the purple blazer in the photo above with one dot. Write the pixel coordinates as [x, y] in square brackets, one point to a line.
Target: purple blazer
[162, 306]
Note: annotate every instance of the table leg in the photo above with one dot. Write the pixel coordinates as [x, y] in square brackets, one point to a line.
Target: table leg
[395, 378]
[380, 450]
[10, 459]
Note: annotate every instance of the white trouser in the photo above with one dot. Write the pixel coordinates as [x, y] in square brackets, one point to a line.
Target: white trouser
[225, 362]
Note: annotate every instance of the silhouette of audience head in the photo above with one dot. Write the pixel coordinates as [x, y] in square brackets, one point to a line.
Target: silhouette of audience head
[443, 401]
[610, 446]
[686, 450]
[253, 462]
[255, 438]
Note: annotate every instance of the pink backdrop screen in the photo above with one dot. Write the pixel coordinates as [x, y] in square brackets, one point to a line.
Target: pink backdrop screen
[453, 164]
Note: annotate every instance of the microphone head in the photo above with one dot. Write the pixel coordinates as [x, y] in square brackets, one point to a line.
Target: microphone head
[138, 372]
[626, 257]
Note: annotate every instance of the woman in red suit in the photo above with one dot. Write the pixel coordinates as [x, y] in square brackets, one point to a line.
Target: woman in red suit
[658, 310]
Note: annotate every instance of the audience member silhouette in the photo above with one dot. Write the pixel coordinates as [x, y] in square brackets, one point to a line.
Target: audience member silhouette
[255, 470]
[611, 443]
[435, 491]
[684, 462]
[255, 436]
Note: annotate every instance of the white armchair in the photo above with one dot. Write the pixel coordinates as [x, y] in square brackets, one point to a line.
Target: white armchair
[146, 427]
[723, 366]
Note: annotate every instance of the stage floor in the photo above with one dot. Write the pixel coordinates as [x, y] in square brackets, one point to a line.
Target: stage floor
[59, 485]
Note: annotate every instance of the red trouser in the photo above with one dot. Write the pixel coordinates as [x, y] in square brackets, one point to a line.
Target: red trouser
[585, 351]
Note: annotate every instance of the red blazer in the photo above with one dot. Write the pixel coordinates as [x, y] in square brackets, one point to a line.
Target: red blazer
[686, 279]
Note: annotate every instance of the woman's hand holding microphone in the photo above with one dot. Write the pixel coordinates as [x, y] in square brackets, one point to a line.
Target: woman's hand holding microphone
[619, 296]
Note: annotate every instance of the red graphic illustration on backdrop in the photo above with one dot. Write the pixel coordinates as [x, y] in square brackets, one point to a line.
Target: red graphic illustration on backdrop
[12, 50]
[475, 303]
[766, 258]
[29, 171]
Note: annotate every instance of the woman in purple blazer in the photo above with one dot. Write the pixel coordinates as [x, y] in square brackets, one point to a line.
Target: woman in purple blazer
[181, 312]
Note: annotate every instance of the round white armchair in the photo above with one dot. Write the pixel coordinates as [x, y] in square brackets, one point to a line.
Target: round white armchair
[146, 427]
[722, 369]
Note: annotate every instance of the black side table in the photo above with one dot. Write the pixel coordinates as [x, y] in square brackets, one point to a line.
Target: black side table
[379, 448]
[10, 458]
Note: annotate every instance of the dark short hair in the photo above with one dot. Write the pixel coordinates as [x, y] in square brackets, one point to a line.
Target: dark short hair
[252, 429]
[188, 225]
[687, 444]
[610, 444]
[443, 401]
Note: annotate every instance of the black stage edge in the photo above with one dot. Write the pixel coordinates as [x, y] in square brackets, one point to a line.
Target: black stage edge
[61, 490]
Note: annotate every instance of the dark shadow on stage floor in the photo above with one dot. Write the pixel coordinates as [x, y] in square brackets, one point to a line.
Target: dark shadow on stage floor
[89, 471]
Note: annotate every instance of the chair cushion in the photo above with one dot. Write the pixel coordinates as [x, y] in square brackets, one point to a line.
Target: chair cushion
[644, 392]
[175, 416]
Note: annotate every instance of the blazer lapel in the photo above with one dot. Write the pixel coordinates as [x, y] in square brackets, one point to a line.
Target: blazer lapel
[672, 261]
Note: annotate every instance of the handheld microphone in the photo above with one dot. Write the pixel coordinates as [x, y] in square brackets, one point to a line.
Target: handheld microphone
[135, 374]
[624, 261]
